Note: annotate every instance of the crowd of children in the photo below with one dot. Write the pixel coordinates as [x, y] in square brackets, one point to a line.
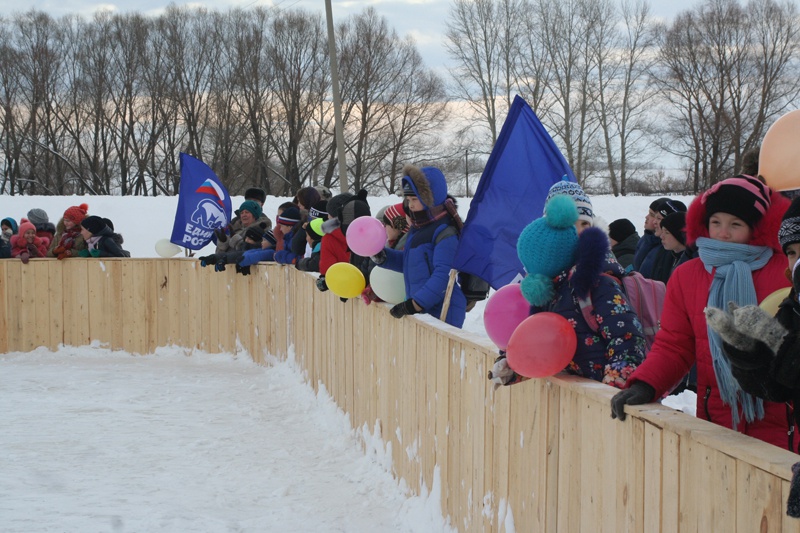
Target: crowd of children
[77, 234]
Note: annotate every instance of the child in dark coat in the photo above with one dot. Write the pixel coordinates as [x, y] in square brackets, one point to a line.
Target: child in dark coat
[101, 241]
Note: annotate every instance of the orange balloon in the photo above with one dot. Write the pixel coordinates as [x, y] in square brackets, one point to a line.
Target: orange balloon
[779, 159]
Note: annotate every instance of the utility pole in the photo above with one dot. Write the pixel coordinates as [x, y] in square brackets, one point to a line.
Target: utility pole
[466, 169]
[337, 100]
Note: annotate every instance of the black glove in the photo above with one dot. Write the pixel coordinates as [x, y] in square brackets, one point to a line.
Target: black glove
[207, 260]
[343, 300]
[243, 270]
[760, 356]
[321, 285]
[379, 258]
[404, 308]
[637, 394]
[220, 265]
[221, 235]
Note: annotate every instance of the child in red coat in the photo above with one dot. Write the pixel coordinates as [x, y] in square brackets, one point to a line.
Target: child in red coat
[25, 244]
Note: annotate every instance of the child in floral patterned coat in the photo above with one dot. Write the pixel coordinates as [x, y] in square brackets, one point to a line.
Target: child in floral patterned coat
[567, 273]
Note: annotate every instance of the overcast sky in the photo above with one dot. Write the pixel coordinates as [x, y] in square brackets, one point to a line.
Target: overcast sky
[424, 20]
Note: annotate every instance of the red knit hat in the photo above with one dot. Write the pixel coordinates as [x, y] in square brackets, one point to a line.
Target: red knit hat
[76, 213]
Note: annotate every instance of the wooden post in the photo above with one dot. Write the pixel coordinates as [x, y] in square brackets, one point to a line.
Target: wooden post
[450, 284]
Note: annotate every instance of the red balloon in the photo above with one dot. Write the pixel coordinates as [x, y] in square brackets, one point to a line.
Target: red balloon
[542, 345]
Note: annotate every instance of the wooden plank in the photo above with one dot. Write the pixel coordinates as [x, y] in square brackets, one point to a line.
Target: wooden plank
[76, 302]
[4, 307]
[759, 506]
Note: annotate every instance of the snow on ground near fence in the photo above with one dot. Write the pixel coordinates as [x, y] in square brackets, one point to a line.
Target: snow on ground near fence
[95, 440]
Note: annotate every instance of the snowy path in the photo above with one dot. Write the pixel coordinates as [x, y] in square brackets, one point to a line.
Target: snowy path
[93, 440]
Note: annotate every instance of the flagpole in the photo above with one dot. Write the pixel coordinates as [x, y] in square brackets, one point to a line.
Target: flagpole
[448, 294]
[337, 100]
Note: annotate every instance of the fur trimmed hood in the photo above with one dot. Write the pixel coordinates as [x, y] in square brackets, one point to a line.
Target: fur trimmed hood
[765, 232]
[428, 184]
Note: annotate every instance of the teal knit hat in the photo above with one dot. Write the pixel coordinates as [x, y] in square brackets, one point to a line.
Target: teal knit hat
[253, 207]
[546, 247]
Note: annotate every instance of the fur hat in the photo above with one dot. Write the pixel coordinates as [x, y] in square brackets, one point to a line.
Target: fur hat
[668, 206]
[10, 222]
[76, 213]
[254, 193]
[741, 196]
[790, 225]
[37, 216]
[319, 210]
[357, 207]
[621, 229]
[546, 247]
[25, 225]
[426, 183]
[574, 191]
[765, 232]
[93, 224]
[675, 224]
[252, 207]
[324, 192]
[289, 217]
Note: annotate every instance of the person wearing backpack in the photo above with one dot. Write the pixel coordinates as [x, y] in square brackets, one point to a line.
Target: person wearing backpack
[566, 275]
[427, 258]
[735, 227]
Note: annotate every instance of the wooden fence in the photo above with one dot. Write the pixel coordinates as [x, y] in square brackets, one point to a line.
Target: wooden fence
[541, 456]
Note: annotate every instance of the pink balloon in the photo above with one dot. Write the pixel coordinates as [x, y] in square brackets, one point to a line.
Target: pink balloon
[366, 236]
[542, 345]
[505, 310]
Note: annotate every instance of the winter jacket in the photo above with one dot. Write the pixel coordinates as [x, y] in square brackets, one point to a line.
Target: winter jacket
[647, 243]
[310, 263]
[46, 232]
[66, 243]
[612, 352]
[426, 265]
[624, 251]
[108, 244]
[286, 255]
[682, 340]
[5, 249]
[334, 250]
[19, 246]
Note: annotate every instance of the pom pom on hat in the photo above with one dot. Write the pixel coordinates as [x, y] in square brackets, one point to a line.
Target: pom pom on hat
[25, 225]
[576, 192]
[546, 247]
[789, 233]
[76, 213]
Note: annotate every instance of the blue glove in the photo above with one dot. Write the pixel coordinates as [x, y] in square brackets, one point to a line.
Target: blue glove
[220, 265]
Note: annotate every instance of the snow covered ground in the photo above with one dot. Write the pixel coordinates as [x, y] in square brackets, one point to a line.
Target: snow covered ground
[94, 440]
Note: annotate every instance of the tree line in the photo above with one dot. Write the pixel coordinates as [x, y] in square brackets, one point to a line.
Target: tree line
[104, 106]
[618, 88]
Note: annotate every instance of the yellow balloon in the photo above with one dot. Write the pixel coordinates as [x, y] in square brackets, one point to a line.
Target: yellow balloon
[779, 158]
[770, 303]
[345, 280]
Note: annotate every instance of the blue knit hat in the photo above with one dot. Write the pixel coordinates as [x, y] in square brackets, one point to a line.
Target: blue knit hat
[546, 247]
[576, 192]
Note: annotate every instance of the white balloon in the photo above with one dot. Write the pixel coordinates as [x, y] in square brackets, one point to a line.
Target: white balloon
[388, 285]
[164, 248]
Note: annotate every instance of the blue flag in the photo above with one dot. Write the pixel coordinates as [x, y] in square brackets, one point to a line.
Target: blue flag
[203, 205]
[523, 165]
